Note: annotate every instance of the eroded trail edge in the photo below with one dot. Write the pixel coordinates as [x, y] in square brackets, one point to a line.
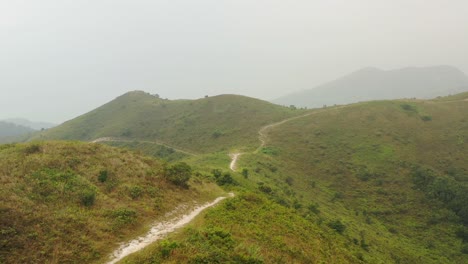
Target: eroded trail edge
[160, 230]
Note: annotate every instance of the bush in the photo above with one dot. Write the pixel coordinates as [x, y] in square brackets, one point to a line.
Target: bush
[216, 173]
[426, 118]
[409, 108]
[226, 179]
[102, 177]
[32, 149]
[167, 248]
[265, 189]
[179, 173]
[123, 216]
[216, 134]
[313, 208]
[245, 173]
[136, 192]
[337, 225]
[289, 181]
[88, 197]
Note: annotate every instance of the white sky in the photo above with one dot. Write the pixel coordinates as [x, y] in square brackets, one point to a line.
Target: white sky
[62, 58]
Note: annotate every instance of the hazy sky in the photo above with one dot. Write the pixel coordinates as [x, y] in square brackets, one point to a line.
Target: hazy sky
[62, 58]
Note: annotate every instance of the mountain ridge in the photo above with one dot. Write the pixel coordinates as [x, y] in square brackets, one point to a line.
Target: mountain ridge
[372, 83]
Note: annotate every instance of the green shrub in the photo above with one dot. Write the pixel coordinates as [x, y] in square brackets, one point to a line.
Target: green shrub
[245, 173]
[426, 118]
[270, 151]
[88, 197]
[337, 225]
[32, 149]
[135, 192]
[122, 216]
[216, 173]
[226, 179]
[265, 189]
[179, 173]
[289, 181]
[409, 108]
[216, 134]
[313, 208]
[167, 248]
[102, 177]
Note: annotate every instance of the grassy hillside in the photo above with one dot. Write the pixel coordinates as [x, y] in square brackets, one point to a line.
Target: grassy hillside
[377, 182]
[74, 202]
[394, 171]
[205, 125]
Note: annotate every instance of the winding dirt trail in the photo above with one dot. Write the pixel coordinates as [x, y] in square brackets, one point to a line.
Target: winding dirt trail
[262, 133]
[234, 157]
[115, 139]
[160, 230]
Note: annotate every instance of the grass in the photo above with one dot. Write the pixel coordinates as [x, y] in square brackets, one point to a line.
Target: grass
[70, 202]
[337, 187]
[364, 153]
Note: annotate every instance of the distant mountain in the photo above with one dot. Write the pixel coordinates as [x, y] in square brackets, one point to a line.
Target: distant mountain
[30, 124]
[207, 124]
[375, 84]
[8, 129]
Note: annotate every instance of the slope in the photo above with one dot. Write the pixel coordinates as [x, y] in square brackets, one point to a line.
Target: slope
[394, 172]
[377, 182]
[204, 125]
[375, 84]
[74, 202]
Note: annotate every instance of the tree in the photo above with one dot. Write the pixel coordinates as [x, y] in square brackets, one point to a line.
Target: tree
[179, 173]
[225, 179]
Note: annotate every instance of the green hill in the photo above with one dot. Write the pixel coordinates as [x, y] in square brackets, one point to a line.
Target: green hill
[74, 202]
[205, 125]
[376, 182]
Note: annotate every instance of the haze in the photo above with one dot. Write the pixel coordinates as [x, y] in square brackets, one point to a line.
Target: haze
[60, 59]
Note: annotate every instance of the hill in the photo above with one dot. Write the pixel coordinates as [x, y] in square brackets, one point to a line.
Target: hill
[70, 202]
[30, 124]
[12, 132]
[375, 84]
[376, 182]
[8, 129]
[205, 125]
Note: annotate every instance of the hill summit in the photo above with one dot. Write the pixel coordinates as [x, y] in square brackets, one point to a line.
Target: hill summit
[206, 124]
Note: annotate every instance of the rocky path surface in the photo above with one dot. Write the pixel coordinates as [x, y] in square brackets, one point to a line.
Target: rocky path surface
[159, 230]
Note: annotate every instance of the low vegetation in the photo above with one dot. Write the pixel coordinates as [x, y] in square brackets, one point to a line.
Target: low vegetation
[73, 202]
[375, 182]
[368, 183]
